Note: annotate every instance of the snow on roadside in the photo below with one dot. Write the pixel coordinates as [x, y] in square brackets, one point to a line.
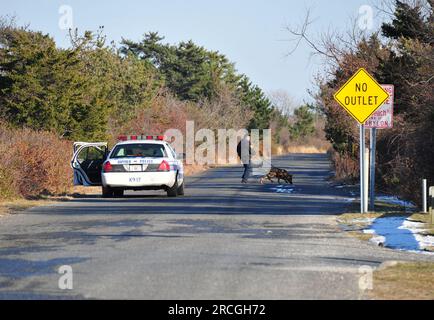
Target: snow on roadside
[343, 186]
[417, 228]
[283, 189]
[383, 198]
[395, 200]
[399, 233]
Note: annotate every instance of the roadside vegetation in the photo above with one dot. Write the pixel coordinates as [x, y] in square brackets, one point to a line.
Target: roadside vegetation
[33, 163]
[400, 53]
[403, 281]
[96, 91]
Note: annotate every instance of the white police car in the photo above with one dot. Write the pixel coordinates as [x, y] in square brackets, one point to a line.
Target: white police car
[134, 163]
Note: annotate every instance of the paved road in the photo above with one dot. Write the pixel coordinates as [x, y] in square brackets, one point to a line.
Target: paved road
[223, 240]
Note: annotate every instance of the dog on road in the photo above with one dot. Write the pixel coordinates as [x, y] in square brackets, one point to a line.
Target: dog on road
[279, 174]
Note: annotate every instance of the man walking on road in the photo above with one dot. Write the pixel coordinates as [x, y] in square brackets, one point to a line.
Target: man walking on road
[244, 151]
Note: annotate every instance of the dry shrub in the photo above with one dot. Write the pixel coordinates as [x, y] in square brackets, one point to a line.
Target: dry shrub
[224, 111]
[346, 167]
[33, 163]
[165, 111]
[316, 143]
[7, 190]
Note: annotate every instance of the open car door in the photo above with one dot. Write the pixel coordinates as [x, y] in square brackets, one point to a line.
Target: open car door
[87, 162]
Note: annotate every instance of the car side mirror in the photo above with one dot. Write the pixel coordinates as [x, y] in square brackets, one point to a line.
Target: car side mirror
[180, 156]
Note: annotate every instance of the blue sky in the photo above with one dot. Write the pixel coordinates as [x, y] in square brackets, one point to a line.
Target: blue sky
[251, 33]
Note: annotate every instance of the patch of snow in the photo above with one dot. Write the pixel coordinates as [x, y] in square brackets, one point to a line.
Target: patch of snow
[425, 241]
[395, 200]
[413, 225]
[369, 231]
[342, 186]
[283, 189]
[400, 233]
[417, 228]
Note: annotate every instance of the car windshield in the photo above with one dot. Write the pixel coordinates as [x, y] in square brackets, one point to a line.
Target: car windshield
[147, 150]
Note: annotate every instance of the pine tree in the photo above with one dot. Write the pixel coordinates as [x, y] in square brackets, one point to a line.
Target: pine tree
[304, 124]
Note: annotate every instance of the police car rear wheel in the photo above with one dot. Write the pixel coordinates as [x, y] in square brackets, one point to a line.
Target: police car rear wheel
[118, 193]
[181, 189]
[107, 192]
[173, 191]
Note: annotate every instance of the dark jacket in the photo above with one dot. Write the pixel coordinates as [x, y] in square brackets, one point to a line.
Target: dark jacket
[244, 151]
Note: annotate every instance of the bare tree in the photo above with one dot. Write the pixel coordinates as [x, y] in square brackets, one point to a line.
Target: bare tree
[282, 100]
[332, 45]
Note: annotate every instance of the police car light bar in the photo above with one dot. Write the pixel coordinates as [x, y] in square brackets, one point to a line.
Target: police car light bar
[141, 137]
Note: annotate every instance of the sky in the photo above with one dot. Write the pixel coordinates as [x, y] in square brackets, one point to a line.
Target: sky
[251, 33]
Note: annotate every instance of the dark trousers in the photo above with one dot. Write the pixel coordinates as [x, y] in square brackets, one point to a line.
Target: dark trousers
[247, 171]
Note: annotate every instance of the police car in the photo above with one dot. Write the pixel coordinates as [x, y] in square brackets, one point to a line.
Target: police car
[134, 163]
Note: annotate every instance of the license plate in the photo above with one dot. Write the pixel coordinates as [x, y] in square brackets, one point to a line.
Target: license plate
[135, 167]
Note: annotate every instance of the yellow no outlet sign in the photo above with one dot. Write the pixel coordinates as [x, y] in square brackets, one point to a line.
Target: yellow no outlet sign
[361, 96]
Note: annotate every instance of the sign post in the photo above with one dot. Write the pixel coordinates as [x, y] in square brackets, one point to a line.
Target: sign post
[362, 168]
[366, 178]
[373, 145]
[361, 96]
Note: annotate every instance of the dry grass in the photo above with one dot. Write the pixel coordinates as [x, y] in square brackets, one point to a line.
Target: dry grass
[19, 205]
[420, 217]
[301, 149]
[403, 281]
[308, 145]
[306, 149]
[360, 235]
[354, 218]
[193, 169]
[81, 190]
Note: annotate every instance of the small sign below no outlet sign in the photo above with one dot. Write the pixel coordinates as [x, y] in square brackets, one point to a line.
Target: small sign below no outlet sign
[383, 117]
